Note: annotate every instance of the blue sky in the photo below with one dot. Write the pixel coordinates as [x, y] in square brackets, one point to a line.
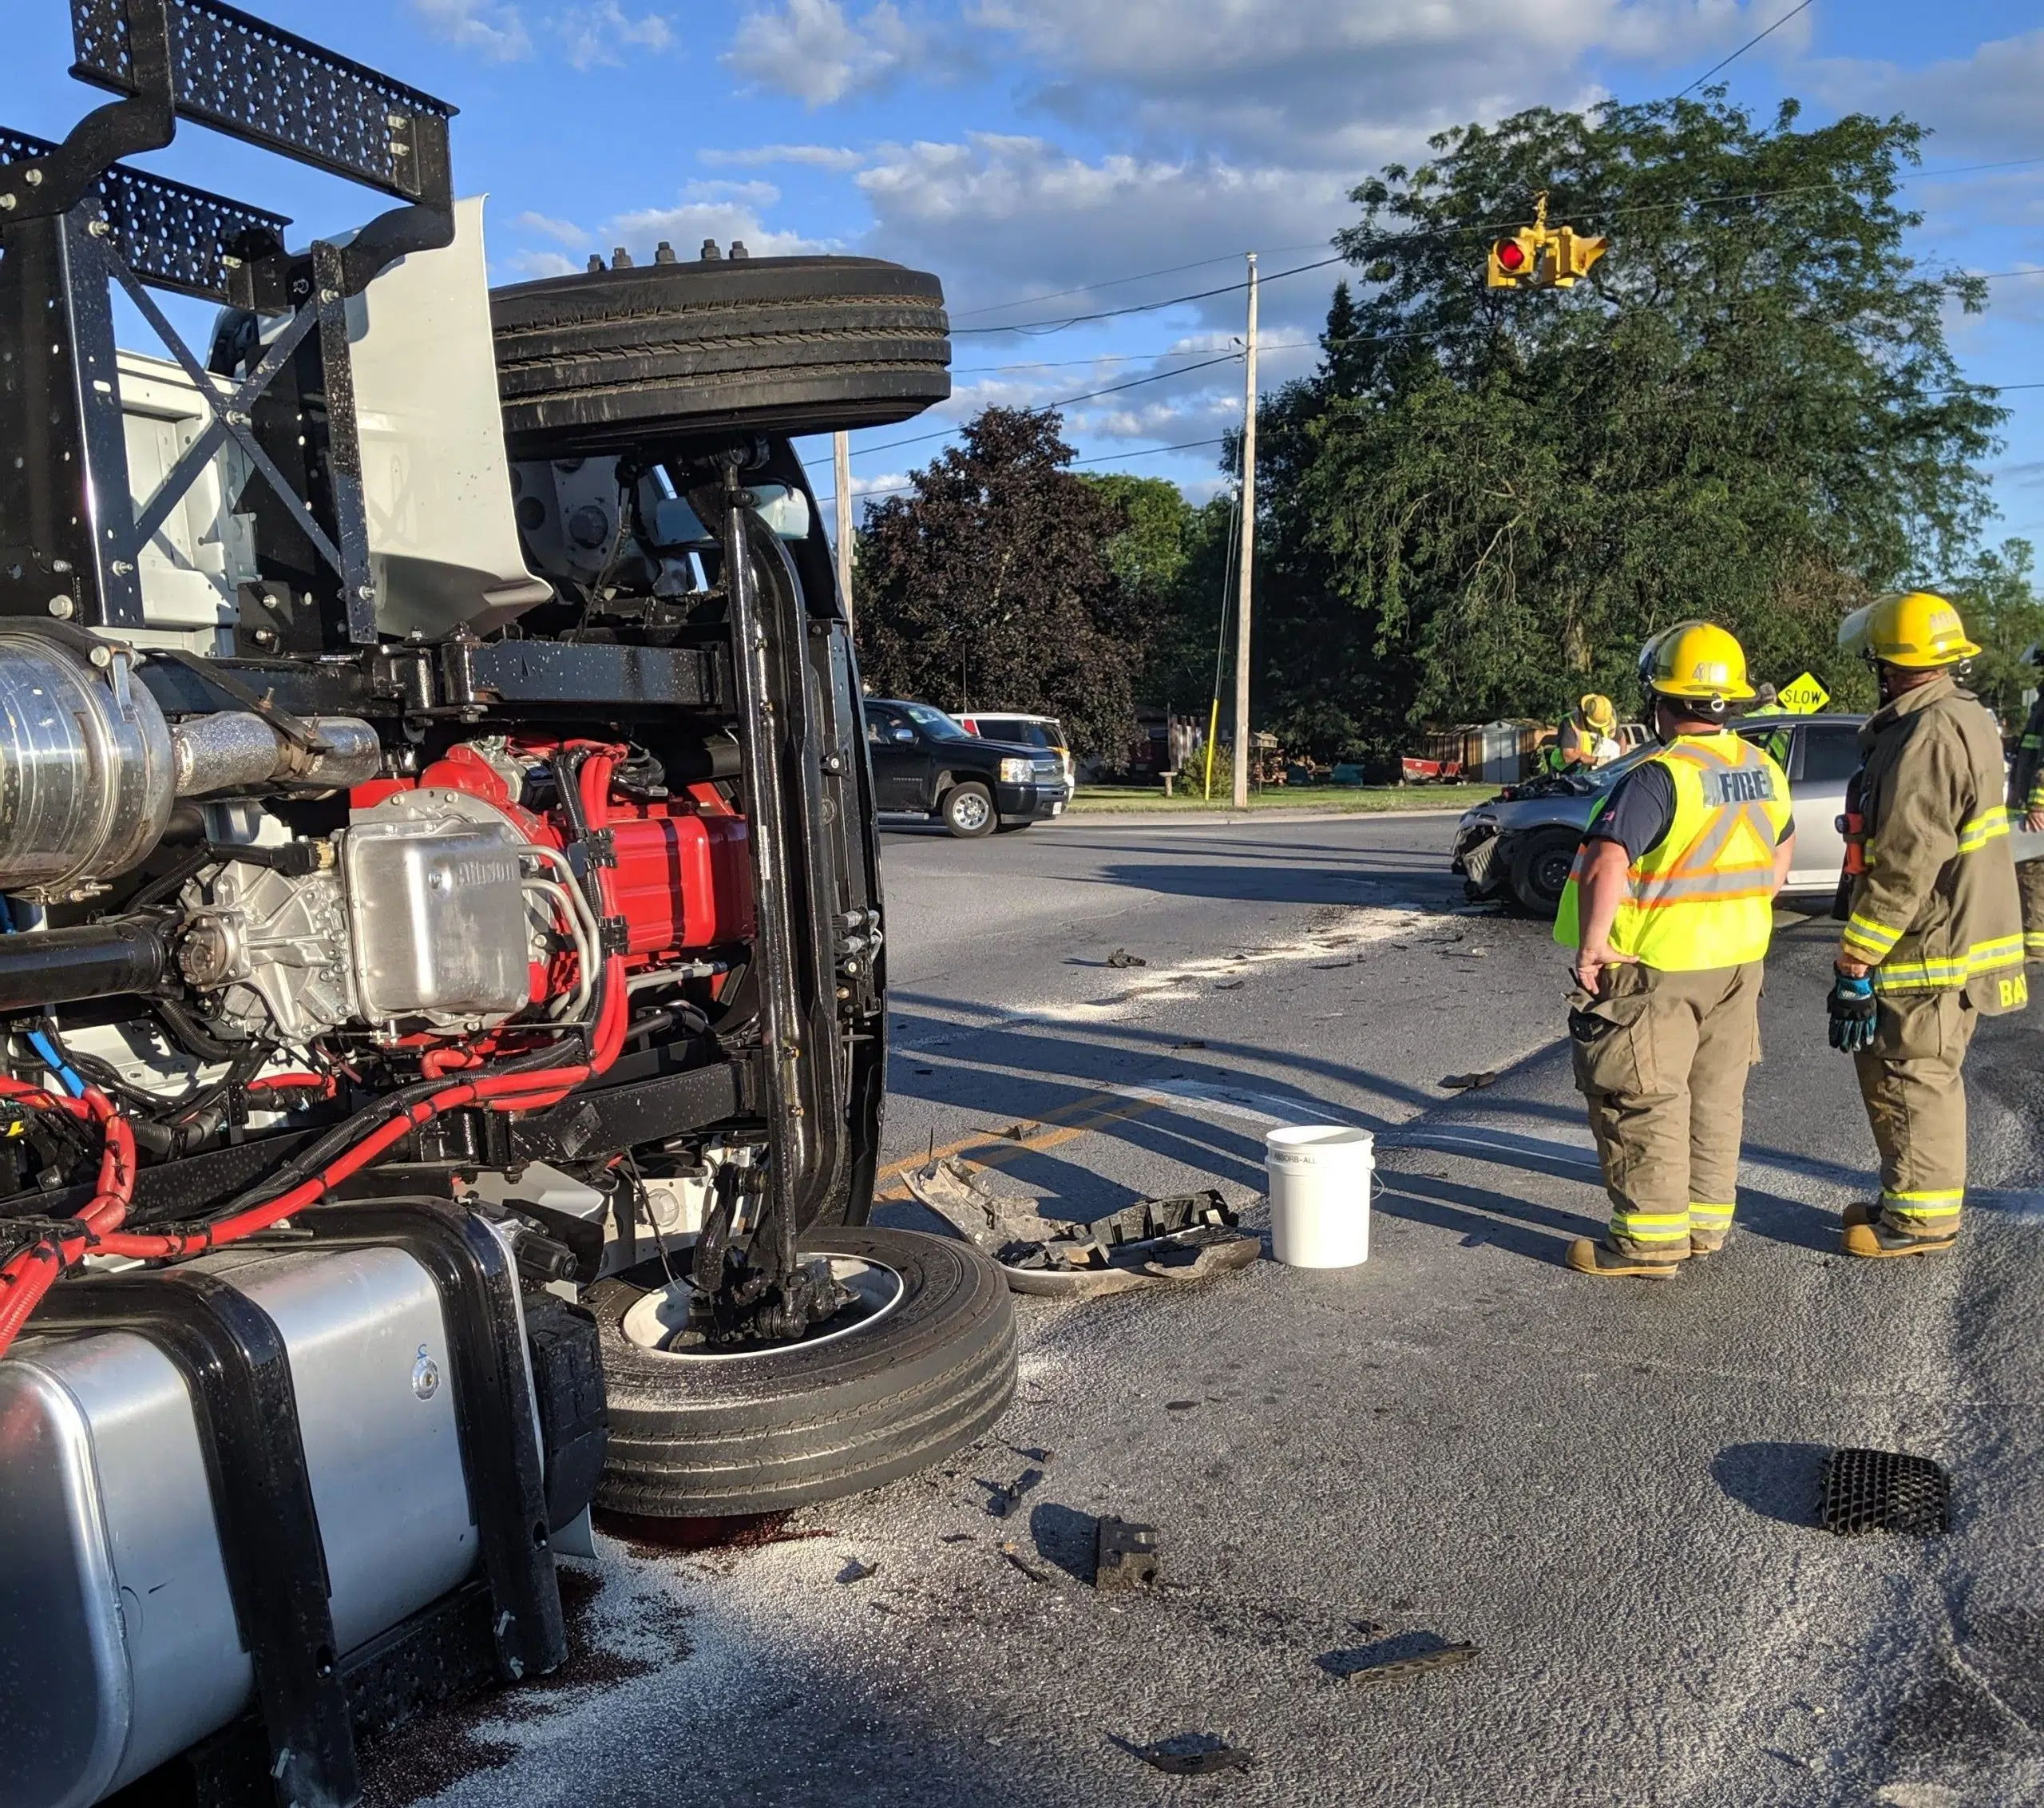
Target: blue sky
[1023, 147]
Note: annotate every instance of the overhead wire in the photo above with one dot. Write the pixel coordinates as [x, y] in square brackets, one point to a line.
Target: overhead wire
[1804, 6]
[1103, 458]
[1389, 240]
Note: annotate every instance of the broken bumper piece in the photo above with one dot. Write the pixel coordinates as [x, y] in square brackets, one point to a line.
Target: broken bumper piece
[1190, 1237]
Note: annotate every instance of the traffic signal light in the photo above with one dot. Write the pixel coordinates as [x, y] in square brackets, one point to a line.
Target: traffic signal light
[1516, 261]
[1539, 257]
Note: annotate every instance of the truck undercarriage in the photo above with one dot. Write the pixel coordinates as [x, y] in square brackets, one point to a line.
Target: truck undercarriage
[444, 960]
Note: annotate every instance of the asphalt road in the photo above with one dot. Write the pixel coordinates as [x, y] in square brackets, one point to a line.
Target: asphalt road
[1605, 1486]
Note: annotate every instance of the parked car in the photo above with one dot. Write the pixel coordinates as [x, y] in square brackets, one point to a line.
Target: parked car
[926, 765]
[1021, 729]
[1522, 843]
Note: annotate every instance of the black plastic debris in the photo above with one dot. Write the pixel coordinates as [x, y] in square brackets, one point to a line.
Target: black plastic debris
[1883, 1491]
[1124, 1554]
[1004, 1498]
[1467, 1082]
[1196, 1755]
[1228, 985]
[1121, 958]
[1091, 1245]
[854, 1571]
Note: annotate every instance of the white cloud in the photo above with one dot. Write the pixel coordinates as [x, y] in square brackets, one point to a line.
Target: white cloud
[1000, 216]
[814, 157]
[566, 231]
[1984, 105]
[492, 27]
[1336, 84]
[816, 51]
[688, 223]
[529, 266]
[602, 33]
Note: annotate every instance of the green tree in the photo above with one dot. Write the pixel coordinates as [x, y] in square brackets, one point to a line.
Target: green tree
[1999, 604]
[991, 585]
[1486, 499]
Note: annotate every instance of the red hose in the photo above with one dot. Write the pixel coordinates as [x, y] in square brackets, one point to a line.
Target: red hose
[28, 1276]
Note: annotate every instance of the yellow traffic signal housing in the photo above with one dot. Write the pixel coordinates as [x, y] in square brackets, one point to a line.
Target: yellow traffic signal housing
[1573, 252]
[1539, 257]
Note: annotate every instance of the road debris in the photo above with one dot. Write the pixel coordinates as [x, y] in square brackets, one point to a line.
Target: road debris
[854, 1571]
[1194, 1754]
[1121, 958]
[1190, 1237]
[1229, 985]
[1007, 1496]
[1883, 1491]
[1194, 1043]
[1468, 1082]
[1124, 1554]
[1008, 1550]
[1360, 1667]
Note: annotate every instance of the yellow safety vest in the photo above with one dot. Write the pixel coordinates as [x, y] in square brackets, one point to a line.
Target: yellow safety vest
[1704, 896]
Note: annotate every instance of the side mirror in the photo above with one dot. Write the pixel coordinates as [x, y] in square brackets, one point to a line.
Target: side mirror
[905, 736]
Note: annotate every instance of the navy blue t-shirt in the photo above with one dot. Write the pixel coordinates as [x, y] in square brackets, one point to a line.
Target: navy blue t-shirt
[1642, 810]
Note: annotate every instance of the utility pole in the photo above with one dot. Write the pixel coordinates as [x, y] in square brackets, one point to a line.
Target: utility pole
[1242, 751]
[841, 465]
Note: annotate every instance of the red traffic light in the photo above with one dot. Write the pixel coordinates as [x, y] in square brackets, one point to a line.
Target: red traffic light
[1510, 254]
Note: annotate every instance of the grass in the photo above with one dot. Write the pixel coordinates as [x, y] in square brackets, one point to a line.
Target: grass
[1337, 800]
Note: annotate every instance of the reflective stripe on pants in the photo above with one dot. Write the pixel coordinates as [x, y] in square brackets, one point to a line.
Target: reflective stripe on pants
[1916, 1097]
[1662, 1062]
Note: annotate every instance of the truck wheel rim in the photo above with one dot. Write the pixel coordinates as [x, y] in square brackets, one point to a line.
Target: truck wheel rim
[969, 811]
[655, 1322]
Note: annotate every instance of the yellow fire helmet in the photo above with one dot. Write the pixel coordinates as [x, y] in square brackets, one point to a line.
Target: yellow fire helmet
[1596, 710]
[1916, 630]
[1697, 661]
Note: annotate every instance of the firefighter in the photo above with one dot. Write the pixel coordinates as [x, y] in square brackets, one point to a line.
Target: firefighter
[1670, 909]
[1585, 740]
[1933, 940]
[2026, 802]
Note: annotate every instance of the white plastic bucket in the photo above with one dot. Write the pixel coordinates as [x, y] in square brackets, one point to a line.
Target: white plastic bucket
[1320, 1193]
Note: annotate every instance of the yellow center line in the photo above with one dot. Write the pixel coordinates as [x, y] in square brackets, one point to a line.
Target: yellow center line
[1094, 1110]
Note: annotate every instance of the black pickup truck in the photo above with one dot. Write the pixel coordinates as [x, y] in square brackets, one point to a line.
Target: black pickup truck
[924, 764]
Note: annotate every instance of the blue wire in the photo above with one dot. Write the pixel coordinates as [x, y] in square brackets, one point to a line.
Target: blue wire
[37, 1039]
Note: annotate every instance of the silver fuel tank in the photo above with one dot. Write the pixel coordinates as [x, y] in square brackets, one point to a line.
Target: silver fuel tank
[118, 1640]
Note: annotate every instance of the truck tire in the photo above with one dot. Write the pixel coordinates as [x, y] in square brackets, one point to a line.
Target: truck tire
[1540, 868]
[968, 811]
[767, 345]
[708, 1437]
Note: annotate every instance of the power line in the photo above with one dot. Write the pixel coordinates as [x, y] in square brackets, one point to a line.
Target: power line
[1101, 459]
[1151, 307]
[1803, 7]
[1065, 401]
[1116, 282]
[1389, 240]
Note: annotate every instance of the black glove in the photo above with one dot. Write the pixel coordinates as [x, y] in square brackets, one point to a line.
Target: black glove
[1852, 1013]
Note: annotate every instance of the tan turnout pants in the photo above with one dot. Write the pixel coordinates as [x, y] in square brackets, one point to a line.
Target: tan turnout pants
[1661, 1059]
[1915, 1098]
[2030, 883]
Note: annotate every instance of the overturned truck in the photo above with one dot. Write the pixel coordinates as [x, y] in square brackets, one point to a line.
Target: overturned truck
[443, 962]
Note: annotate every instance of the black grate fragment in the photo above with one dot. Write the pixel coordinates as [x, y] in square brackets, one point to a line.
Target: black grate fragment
[1883, 1491]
